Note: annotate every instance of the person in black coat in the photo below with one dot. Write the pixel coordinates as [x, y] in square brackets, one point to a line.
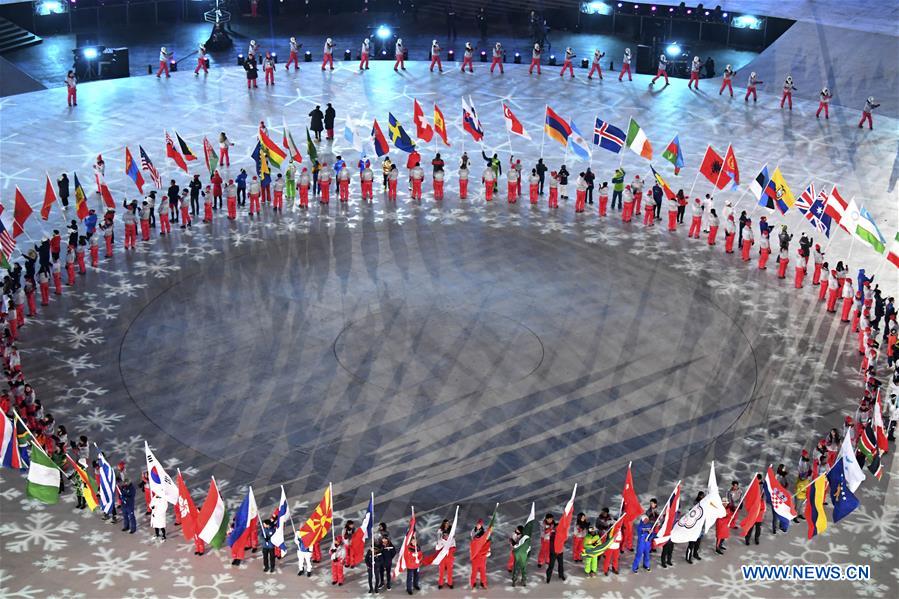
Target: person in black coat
[62, 185]
[173, 194]
[316, 122]
[590, 178]
[249, 65]
[330, 115]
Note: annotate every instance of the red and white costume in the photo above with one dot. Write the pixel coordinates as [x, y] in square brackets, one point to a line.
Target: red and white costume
[626, 65]
[497, 58]
[435, 56]
[328, 54]
[595, 67]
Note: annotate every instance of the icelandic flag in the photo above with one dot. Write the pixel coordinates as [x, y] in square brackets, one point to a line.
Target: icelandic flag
[780, 499]
[578, 144]
[281, 515]
[607, 136]
[369, 520]
[844, 501]
[107, 484]
[243, 517]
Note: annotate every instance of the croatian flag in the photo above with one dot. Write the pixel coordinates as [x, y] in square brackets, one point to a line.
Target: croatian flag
[281, 515]
[780, 499]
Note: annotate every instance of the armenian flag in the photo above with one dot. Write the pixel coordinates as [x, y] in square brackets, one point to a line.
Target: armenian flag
[275, 154]
[316, 527]
[556, 127]
[81, 209]
[88, 486]
[816, 494]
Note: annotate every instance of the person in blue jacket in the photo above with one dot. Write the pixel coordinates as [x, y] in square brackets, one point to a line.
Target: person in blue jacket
[241, 181]
[644, 544]
[268, 530]
[127, 494]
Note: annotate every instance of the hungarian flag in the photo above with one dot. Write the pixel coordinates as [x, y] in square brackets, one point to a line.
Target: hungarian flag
[9, 450]
[730, 167]
[173, 153]
[88, 486]
[81, 209]
[43, 477]
[667, 518]
[513, 125]
[49, 199]
[21, 213]
[212, 159]
[712, 168]
[423, 129]
[313, 156]
[382, 148]
[637, 140]
[564, 524]
[133, 171]
[185, 149]
[674, 155]
[522, 549]
[212, 521]
[275, 154]
[480, 546]
[316, 527]
[754, 505]
[893, 252]
[186, 510]
[292, 150]
[440, 125]
[400, 566]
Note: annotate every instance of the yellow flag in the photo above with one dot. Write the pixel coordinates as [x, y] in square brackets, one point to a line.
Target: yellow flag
[784, 197]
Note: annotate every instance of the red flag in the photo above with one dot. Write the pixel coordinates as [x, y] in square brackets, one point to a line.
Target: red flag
[631, 504]
[105, 193]
[440, 125]
[513, 125]
[316, 527]
[754, 504]
[172, 153]
[186, 510]
[564, 524]
[21, 212]
[400, 566]
[49, 199]
[712, 167]
[730, 168]
[423, 129]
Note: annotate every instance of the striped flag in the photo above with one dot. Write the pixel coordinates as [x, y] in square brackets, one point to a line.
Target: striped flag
[637, 140]
[147, 165]
[185, 149]
[43, 477]
[88, 487]
[8, 245]
[9, 450]
[81, 209]
[212, 159]
[107, 484]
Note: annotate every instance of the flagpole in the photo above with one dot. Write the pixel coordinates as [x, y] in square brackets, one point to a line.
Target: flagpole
[851, 239]
[543, 137]
[331, 495]
[692, 187]
[372, 535]
[718, 178]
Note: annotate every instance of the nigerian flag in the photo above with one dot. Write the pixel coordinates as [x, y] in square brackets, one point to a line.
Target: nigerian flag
[522, 549]
[43, 477]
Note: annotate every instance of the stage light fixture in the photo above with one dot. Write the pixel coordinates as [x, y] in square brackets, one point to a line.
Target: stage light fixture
[384, 54]
[483, 56]
[747, 22]
[240, 60]
[673, 50]
[383, 32]
[584, 63]
[517, 58]
[275, 57]
[552, 60]
[724, 15]
[596, 8]
[451, 56]
[90, 53]
[307, 57]
[653, 9]
[347, 55]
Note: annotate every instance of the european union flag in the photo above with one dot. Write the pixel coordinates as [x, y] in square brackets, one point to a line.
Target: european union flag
[398, 135]
[844, 502]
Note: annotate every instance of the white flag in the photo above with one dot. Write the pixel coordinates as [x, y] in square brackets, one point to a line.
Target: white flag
[160, 482]
[715, 505]
[853, 472]
[450, 542]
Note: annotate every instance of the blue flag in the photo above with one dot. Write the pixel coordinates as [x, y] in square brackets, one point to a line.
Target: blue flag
[369, 519]
[398, 135]
[578, 144]
[107, 485]
[607, 136]
[243, 517]
[844, 501]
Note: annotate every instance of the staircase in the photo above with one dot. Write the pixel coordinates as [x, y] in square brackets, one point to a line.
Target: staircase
[13, 37]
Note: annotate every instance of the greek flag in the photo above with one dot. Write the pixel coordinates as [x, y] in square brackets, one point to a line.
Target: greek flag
[107, 484]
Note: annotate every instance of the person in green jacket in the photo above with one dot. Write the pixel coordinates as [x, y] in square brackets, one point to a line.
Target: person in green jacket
[497, 167]
[591, 560]
[617, 186]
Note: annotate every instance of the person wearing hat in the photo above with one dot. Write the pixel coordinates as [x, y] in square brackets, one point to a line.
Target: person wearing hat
[158, 506]
[695, 67]
[328, 54]
[696, 209]
[628, 211]
[747, 241]
[595, 67]
[399, 52]
[497, 58]
[847, 294]
[818, 261]
[788, 90]
[548, 526]
[751, 87]
[413, 559]
[163, 63]
[252, 70]
[388, 551]
[833, 290]
[444, 540]
[372, 565]
[591, 558]
[338, 556]
[783, 260]
[722, 529]
[268, 546]
[626, 65]
[555, 557]
[727, 81]
[435, 56]
[764, 250]
[870, 105]
[294, 57]
[567, 64]
[254, 190]
[662, 70]
[713, 224]
[479, 560]
[303, 186]
[581, 525]
[535, 59]
[268, 68]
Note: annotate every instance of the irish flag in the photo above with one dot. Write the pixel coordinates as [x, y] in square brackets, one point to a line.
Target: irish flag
[43, 477]
[213, 518]
[637, 141]
[893, 254]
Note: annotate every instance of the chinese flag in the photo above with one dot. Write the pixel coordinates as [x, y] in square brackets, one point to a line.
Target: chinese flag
[49, 199]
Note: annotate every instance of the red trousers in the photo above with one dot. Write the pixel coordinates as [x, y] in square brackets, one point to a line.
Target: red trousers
[185, 215]
[368, 193]
[479, 570]
[363, 62]
[254, 203]
[225, 158]
[467, 62]
[416, 189]
[611, 559]
[72, 96]
[800, 276]
[553, 197]
[269, 76]
[79, 257]
[207, 213]
[822, 292]
[832, 300]
[747, 245]
[567, 65]
[638, 201]
[400, 62]
[45, 293]
[695, 226]
[672, 220]
[543, 556]
[57, 283]
[266, 193]
[533, 193]
[627, 212]
[866, 116]
[713, 233]
[729, 242]
[463, 188]
[293, 60]
[232, 208]
[847, 307]
[488, 190]
[32, 305]
[577, 547]
[201, 65]
[438, 190]
[580, 200]
[625, 68]
[603, 204]
[648, 216]
[130, 236]
[328, 60]
[512, 190]
[726, 83]
[325, 187]
[787, 97]
[70, 273]
[337, 571]
[163, 68]
[627, 536]
[825, 107]
[446, 570]
[304, 196]
[435, 60]
[95, 256]
[816, 274]
[108, 246]
[165, 225]
[391, 189]
[782, 268]
[764, 253]
[343, 188]
[251, 83]
[694, 78]
[751, 90]
[595, 67]
[535, 62]
[145, 230]
[661, 73]
[497, 61]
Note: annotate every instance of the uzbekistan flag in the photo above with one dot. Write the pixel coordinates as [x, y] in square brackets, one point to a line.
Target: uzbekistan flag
[88, 487]
[81, 209]
[213, 518]
[43, 477]
[132, 170]
[556, 127]
[816, 492]
[275, 154]
[637, 140]
[316, 527]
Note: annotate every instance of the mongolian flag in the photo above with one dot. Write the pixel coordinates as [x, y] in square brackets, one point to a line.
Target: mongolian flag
[556, 128]
[81, 209]
[133, 171]
[674, 155]
[173, 153]
[382, 148]
[316, 527]
[816, 494]
[21, 212]
[88, 486]
[440, 125]
[185, 149]
[275, 154]
[212, 159]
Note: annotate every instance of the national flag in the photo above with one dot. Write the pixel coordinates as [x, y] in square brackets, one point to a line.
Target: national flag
[8, 245]
[893, 254]
[522, 549]
[212, 159]
[9, 448]
[398, 135]
[212, 521]
[564, 524]
[607, 136]
[107, 484]
[311, 152]
[730, 167]
[663, 184]
[817, 215]
[702, 516]
[637, 141]
[480, 546]
[780, 499]
[423, 129]
[712, 168]
[88, 486]
[844, 501]
[556, 128]
[280, 517]
[667, 518]
[867, 442]
[43, 477]
[470, 121]
[382, 148]
[132, 170]
[173, 153]
[782, 194]
[440, 125]
[875, 467]
[758, 187]
[21, 212]
[147, 165]
[243, 519]
[836, 207]
[316, 527]
[806, 199]
[49, 199]
[630, 503]
[513, 125]
[23, 440]
[260, 157]
[400, 566]
[814, 506]
[103, 188]
[578, 144]
[863, 227]
[186, 510]
[349, 134]
[185, 149]
[275, 154]
[853, 472]
[434, 559]
[879, 431]
[715, 507]
[605, 541]
[81, 209]
[753, 505]
[674, 155]
[292, 150]
[160, 482]
[368, 522]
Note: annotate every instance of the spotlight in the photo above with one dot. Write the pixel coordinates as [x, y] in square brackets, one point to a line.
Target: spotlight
[747, 22]
[584, 63]
[706, 13]
[240, 60]
[347, 55]
[673, 50]
[275, 57]
[671, 9]
[307, 57]
[90, 53]
[689, 11]
[596, 8]
[653, 9]
[483, 56]
[517, 58]
[383, 32]
[619, 5]
[724, 15]
[552, 60]
[383, 54]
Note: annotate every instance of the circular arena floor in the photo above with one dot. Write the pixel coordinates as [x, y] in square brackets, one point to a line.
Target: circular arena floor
[438, 354]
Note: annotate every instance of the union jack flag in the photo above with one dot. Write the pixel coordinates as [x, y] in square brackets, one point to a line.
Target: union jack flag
[817, 215]
[146, 165]
[804, 202]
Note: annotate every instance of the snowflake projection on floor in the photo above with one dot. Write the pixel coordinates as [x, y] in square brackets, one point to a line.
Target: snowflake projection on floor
[122, 288]
[63, 594]
[269, 587]
[870, 588]
[176, 565]
[158, 269]
[97, 537]
[127, 447]
[108, 564]
[26, 592]
[77, 338]
[39, 532]
[144, 593]
[94, 311]
[874, 553]
[882, 528]
[808, 552]
[98, 419]
[213, 589]
[84, 393]
[76, 364]
[49, 563]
